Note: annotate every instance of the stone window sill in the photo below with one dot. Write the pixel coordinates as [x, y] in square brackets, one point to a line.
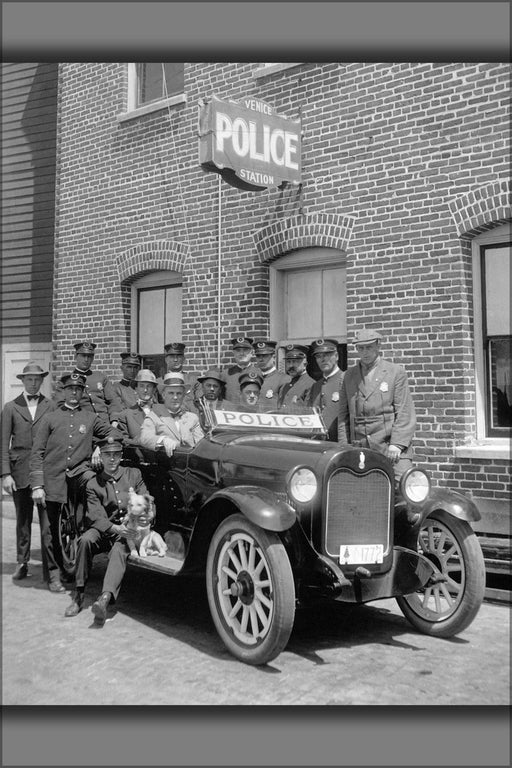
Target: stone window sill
[155, 106]
[271, 69]
[487, 449]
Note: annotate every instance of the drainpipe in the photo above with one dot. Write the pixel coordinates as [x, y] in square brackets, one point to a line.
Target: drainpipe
[219, 265]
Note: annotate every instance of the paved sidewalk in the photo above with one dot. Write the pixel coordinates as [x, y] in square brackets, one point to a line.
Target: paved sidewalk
[340, 655]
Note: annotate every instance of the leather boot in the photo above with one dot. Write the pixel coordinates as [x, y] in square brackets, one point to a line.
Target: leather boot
[76, 605]
[99, 608]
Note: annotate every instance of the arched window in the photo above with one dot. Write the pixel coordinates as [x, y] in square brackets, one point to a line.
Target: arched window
[156, 312]
[308, 299]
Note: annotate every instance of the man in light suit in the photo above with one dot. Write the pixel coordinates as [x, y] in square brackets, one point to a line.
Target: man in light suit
[131, 418]
[21, 419]
[376, 408]
[169, 425]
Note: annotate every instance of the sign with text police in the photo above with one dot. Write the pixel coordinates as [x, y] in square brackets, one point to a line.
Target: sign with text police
[251, 146]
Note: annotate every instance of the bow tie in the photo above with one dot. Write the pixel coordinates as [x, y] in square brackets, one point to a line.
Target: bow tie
[32, 397]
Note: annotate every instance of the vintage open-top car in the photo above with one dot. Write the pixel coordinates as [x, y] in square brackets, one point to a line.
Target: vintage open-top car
[274, 514]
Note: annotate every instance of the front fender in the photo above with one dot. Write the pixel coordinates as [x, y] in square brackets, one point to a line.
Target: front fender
[260, 506]
[452, 502]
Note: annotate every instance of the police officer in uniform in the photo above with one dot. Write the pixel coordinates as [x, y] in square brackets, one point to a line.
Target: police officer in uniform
[60, 462]
[291, 396]
[99, 396]
[376, 408]
[243, 353]
[107, 500]
[325, 393]
[174, 360]
[273, 380]
[250, 383]
[124, 389]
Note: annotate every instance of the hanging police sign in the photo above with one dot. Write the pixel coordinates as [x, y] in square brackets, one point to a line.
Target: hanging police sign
[251, 146]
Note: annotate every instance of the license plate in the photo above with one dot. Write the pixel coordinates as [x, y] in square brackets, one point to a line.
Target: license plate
[361, 554]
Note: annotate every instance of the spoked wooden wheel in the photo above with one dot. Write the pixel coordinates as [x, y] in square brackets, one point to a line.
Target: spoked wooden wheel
[445, 608]
[68, 537]
[251, 591]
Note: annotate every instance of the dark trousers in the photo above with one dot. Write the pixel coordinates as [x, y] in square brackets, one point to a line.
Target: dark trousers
[24, 507]
[91, 543]
[50, 547]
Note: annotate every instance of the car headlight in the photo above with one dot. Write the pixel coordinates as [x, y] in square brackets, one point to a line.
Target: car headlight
[302, 485]
[415, 485]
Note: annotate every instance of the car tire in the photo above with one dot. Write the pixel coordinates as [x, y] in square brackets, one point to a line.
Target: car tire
[68, 539]
[445, 609]
[251, 591]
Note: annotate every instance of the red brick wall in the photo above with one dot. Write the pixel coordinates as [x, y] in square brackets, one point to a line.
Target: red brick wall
[388, 150]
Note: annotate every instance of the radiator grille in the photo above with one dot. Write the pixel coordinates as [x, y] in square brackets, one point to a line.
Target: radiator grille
[358, 510]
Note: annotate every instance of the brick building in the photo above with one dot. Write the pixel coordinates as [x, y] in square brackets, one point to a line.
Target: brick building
[401, 222]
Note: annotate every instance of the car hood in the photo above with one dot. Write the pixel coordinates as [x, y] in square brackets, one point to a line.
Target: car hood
[246, 457]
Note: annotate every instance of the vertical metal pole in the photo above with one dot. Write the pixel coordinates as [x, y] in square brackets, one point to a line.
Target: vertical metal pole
[219, 265]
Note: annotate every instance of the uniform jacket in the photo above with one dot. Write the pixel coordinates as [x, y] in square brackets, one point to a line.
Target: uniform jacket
[231, 374]
[381, 412]
[295, 391]
[107, 496]
[98, 397]
[62, 448]
[129, 424]
[272, 383]
[124, 394]
[325, 395]
[184, 430]
[18, 433]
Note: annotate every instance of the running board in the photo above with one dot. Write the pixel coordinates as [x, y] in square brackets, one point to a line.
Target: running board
[167, 564]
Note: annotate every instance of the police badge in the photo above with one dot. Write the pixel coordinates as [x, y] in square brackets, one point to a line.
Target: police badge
[384, 386]
[82, 429]
[269, 393]
[335, 397]
[99, 385]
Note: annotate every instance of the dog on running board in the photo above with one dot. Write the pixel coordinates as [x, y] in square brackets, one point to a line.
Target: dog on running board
[139, 517]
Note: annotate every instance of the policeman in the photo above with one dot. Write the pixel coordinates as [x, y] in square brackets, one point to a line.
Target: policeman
[107, 500]
[293, 394]
[60, 462]
[325, 393]
[174, 360]
[273, 380]
[243, 354]
[376, 408]
[98, 396]
[250, 384]
[124, 389]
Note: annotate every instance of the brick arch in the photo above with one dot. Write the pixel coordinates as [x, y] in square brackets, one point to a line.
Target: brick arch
[482, 209]
[151, 257]
[317, 229]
